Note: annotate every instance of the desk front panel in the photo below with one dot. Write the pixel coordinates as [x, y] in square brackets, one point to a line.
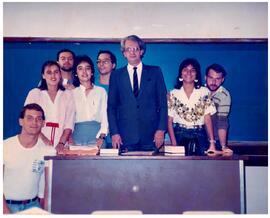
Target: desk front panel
[153, 186]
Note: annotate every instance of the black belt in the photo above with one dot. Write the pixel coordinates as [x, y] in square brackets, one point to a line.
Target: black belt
[21, 202]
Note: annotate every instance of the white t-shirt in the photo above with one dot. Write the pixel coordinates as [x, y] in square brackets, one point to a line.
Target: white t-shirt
[92, 107]
[24, 169]
[61, 111]
[190, 111]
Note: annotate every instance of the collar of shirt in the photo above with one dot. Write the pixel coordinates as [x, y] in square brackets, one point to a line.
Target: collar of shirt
[131, 71]
[220, 89]
[194, 97]
[83, 88]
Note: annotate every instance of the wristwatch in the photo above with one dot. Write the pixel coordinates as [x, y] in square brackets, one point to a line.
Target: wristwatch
[102, 137]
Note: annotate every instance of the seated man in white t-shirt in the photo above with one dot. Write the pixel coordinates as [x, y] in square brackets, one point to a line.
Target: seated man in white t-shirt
[24, 180]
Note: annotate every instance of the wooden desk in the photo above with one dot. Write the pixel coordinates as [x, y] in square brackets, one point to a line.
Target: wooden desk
[255, 151]
[152, 184]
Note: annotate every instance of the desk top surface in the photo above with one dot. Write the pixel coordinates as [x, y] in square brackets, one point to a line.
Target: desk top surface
[145, 156]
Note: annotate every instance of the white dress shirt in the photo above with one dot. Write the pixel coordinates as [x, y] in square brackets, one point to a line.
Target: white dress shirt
[130, 70]
[61, 111]
[91, 107]
[190, 111]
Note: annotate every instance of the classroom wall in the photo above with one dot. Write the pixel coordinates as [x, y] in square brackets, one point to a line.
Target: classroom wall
[149, 20]
[155, 20]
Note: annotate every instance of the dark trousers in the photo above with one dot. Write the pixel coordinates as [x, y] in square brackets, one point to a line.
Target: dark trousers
[138, 147]
[195, 141]
[218, 145]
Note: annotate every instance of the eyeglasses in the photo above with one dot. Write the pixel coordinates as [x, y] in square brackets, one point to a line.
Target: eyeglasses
[66, 58]
[103, 62]
[132, 49]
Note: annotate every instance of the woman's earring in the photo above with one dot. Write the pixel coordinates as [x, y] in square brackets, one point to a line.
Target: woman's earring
[180, 79]
[195, 80]
[76, 75]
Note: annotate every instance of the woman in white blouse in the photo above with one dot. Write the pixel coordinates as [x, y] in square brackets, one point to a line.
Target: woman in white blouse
[91, 124]
[189, 111]
[57, 104]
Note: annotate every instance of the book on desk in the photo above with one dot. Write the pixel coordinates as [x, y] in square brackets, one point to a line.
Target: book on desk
[109, 152]
[174, 150]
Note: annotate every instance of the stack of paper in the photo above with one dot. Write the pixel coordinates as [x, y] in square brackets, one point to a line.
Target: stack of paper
[82, 147]
[109, 152]
[174, 150]
[79, 150]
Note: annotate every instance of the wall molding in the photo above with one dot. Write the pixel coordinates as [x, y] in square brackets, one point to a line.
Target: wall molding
[148, 40]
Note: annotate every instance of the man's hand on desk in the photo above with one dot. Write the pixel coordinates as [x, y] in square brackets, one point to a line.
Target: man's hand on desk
[60, 147]
[226, 149]
[116, 141]
[159, 138]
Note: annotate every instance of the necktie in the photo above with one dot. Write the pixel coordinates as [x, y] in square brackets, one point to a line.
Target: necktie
[135, 82]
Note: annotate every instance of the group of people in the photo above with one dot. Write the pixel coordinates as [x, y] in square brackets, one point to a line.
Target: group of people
[198, 116]
[127, 108]
[75, 108]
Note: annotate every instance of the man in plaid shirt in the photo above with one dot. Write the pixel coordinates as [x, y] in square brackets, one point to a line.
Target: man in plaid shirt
[215, 76]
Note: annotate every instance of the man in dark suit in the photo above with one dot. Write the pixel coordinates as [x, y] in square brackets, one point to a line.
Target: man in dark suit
[137, 103]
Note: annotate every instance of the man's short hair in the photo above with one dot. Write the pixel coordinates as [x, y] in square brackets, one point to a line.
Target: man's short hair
[133, 38]
[32, 106]
[65, 50]
[216, 67]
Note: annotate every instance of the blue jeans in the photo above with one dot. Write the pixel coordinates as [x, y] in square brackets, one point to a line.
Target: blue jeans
[138, 147]
[195, 138]
[14, 208]
[85, 132]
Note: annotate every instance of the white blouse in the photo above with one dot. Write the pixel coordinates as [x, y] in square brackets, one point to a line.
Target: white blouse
[61, 111]
[91, 107]
[190, 111]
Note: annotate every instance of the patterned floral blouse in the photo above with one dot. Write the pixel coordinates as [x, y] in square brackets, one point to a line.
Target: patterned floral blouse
[190, 111]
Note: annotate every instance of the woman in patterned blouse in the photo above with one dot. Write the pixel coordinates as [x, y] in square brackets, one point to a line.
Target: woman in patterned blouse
[189, 111]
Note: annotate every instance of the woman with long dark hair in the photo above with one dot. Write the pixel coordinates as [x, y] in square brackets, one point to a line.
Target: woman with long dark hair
[57, 103]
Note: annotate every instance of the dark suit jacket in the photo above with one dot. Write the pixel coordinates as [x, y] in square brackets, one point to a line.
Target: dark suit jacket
[137, 119]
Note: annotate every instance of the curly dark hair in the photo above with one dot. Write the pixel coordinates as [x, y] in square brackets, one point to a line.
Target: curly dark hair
[197, 67]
